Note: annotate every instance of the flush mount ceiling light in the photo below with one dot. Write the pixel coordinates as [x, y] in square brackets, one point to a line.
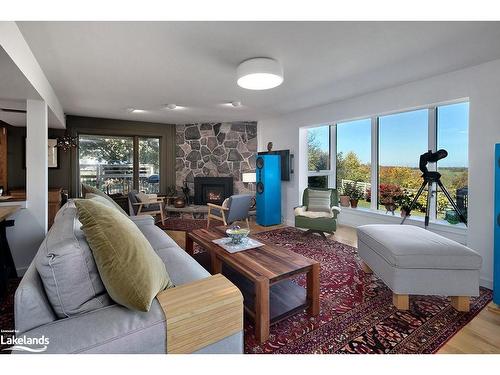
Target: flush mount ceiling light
[261, 73]
[236, 104]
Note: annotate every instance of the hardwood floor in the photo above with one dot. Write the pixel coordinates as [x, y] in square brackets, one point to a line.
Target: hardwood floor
[481, 335]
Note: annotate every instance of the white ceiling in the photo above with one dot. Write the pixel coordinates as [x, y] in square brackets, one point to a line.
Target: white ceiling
[14, 90]
[101, 68]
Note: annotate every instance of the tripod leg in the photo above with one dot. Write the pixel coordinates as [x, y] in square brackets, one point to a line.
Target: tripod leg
[450, 199]
[428, 206]
[415, 200]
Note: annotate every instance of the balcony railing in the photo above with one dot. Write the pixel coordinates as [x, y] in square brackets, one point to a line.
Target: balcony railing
[118, 178]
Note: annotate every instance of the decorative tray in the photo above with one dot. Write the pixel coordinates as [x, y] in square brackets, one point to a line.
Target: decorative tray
[246, 244]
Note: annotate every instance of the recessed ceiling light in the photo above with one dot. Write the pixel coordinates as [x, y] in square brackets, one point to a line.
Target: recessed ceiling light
[236, 104]
[261, 73]
[173, 106]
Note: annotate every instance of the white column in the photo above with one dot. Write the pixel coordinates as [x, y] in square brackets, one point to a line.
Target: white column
[37, 163]
[332, 180]
[374, 164]
[432, 138]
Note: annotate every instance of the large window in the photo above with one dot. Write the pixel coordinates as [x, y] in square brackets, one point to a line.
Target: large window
[452, 135]
[318, 157]
[403, 137]
[107, 162]
[387, 148]
[354, 157]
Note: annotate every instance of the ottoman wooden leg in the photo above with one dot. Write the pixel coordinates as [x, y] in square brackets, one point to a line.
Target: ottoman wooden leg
[401, 301]
[365, 267]
[460, 303]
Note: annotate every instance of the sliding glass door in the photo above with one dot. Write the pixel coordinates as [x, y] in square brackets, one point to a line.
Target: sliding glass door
[117, 165]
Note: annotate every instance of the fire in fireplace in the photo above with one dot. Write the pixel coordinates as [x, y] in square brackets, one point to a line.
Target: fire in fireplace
[212, 189]
[214, 196]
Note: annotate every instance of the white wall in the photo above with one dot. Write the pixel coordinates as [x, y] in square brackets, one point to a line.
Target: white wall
[481, 84]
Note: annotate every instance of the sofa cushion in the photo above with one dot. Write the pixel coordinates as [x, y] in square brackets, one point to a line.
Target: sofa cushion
[131, 271]
[157, 238]
[408, 246]
[86, 189]
[319, 200]
[67, 268]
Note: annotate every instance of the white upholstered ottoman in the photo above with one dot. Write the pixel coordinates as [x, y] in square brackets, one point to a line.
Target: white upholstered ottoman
[412, 260]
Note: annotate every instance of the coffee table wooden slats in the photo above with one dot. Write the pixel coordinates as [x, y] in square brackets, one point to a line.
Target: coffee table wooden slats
[266, 268]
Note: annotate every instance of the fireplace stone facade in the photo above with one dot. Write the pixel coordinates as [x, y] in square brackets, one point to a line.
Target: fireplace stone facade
[215, 150]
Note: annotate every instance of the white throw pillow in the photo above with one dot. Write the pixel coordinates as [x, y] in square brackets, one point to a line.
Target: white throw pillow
[319, 200]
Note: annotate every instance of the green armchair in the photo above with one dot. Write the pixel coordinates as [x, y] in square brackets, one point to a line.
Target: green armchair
[317, 222]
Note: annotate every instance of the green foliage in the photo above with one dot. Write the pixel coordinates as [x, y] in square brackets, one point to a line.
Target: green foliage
[350, 167]
[353, 191]
[116, 150]
[317, 158]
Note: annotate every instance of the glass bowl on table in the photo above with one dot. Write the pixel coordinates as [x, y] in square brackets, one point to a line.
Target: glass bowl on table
[237, 234]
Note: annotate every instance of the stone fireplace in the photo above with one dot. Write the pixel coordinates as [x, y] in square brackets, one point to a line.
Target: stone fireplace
[212, 150]
[212, 189]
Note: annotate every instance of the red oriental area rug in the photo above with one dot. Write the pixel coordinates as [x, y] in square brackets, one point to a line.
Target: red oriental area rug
[357, 315]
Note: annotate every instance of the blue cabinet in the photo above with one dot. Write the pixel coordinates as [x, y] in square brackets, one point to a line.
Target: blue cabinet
[268, 196]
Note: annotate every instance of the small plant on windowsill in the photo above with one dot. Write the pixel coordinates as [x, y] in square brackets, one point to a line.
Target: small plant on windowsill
[389, 195]
[354, 193]
[404, 201]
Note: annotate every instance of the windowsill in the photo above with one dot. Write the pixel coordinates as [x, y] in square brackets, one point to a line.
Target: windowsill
[442, 225]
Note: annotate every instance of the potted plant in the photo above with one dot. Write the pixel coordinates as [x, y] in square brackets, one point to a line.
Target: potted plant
[389, 194]
[404, 201]
[354, 193]
[344, 198]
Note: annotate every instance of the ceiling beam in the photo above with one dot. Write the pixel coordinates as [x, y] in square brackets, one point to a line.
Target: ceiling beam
[14, 44]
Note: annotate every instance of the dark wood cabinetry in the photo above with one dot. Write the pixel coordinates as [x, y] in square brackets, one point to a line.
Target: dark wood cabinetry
[3, 158]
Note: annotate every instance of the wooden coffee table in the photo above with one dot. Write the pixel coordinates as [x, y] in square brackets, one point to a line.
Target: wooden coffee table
[263, 276]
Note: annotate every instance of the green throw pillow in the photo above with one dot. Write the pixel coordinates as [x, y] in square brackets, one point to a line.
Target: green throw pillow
[130, 269]
[100, 199]
[86, 189]
[319, 200]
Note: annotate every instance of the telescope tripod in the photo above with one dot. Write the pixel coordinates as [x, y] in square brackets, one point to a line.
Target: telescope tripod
[429, 179]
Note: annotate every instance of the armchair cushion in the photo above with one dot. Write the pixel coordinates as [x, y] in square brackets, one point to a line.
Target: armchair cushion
[319, 201]
[302, 211]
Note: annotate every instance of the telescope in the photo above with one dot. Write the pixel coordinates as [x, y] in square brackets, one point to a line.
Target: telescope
[429, 179]
[431, 157]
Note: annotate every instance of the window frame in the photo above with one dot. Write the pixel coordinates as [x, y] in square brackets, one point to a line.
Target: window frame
[432, 141]
[331, 173]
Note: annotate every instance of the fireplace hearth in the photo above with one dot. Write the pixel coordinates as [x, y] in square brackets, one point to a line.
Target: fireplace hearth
[212, 189]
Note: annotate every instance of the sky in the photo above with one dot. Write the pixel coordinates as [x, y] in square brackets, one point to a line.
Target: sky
[403, 136]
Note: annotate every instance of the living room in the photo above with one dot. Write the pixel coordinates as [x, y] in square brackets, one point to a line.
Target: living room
[249, 187]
